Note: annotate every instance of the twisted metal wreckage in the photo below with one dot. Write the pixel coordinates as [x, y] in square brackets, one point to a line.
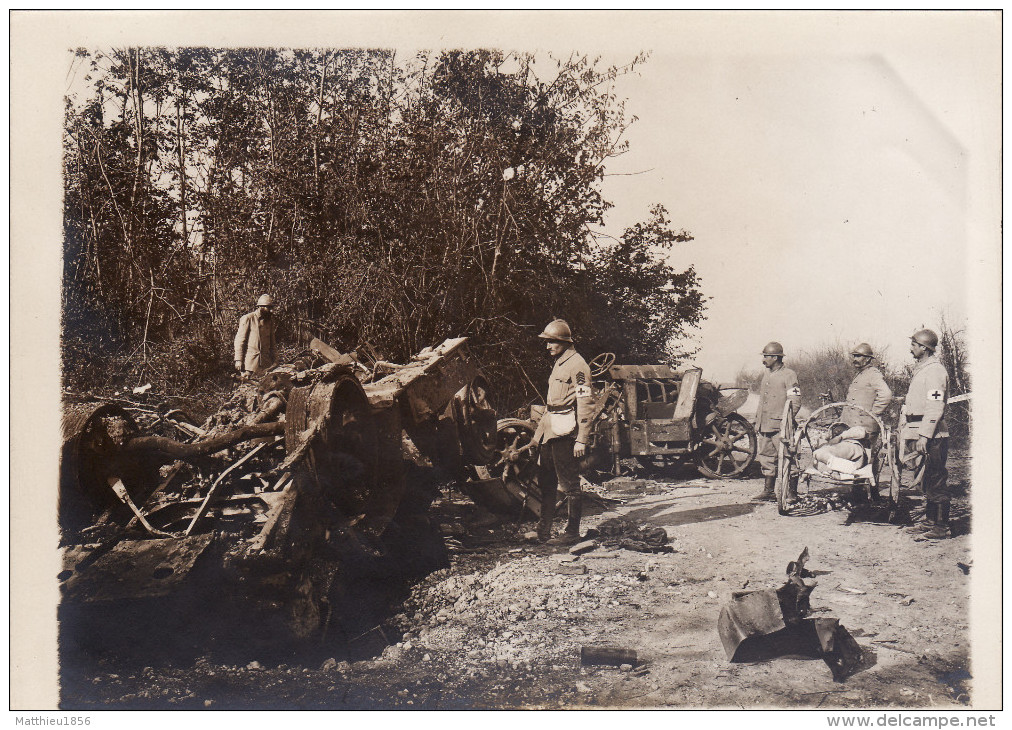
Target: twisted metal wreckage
[273, 491]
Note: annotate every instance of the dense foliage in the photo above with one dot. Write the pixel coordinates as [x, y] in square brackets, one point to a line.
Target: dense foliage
[379, 199]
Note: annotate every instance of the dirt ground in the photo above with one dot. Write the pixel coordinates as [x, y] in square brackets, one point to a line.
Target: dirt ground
[503, 626]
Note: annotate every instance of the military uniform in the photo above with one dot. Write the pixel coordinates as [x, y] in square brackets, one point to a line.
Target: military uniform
[868, 390]
[254, 343]
[566, 421]
[777, 387]
[925, 416]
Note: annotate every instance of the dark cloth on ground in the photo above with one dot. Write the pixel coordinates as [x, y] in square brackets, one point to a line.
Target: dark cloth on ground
[619, 532]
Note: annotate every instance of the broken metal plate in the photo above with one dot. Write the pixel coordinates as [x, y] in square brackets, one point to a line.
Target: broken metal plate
[748, 614]
[137, 569]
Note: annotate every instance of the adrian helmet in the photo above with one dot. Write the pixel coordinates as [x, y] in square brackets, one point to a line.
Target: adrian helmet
[557, 330]
[926, 338]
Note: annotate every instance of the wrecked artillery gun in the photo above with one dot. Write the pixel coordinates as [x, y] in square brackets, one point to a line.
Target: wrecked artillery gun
[295, 480]
[653, 413]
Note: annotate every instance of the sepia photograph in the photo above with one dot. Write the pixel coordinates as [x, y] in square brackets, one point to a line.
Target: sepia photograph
[506, 360]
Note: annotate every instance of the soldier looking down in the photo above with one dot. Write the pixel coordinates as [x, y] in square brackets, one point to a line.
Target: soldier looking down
[563, 432]
[779, 385]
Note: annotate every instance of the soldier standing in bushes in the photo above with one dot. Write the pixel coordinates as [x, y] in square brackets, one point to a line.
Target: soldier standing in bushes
[254, 342]
[779, 384]
[563, 432]
[925, 432]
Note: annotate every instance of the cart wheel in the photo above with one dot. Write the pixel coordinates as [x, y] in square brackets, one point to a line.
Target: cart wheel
[787, 459]
[477, 423]
[600, 364]
[726, 447]
[517, 469]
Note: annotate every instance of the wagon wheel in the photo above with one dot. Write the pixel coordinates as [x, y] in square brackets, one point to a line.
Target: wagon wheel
[600, 364]
[726, 447]
[477, 423]
[517, 468]
[787, 456]
[881, 444]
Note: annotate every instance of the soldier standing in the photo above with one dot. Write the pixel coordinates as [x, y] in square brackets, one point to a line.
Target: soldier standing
[925, 431]
[868, 390]
[254, 341]
[779, 384]
[563, 432]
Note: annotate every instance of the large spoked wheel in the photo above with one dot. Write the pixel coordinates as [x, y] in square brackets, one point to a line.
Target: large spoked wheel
[478, 426]
[787, 459]
[818, 428]
[726, 447]
[513, 463]
[600, 364]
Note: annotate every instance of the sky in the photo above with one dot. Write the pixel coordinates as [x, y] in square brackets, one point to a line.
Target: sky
[828, 179]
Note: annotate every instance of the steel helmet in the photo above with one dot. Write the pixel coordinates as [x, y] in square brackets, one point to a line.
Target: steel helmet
[863, 349]
[774, 348]
[265, 300]
[558, 330]
[927, 338]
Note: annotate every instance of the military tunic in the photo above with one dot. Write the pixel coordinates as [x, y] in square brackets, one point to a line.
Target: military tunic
[566, 421]
[254, 343]
[925, 416]
[868, 390]
[570, 399]
[777, 387]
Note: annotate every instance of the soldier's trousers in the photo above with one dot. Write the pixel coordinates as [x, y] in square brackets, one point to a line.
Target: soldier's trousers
[766, 452]
[935, 483]
[558, 468]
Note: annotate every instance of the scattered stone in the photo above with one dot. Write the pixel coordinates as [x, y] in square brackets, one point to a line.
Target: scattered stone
[208, 703]
[582, 687]
[256, 665]
[625, 668]
[328, 664]
[906, 601]
[583, 547]
[531, 536]
[711, 594]
[427, 658]
[571, 569]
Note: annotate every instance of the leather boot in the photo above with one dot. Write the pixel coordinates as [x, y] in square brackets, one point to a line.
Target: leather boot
[928, 523]
[767, 494]
[572, 534]
[548, 497]
[941, 529]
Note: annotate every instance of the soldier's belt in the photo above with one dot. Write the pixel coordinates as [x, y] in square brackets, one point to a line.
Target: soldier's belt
[560, 409]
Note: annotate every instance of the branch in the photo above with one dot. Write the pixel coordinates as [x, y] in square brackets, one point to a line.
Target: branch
[187, 452]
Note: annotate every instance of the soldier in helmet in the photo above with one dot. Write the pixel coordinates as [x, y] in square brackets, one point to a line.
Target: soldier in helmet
[869, 391]
[254, 342]
[925, 431]
[563, 432]
[779, 385]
